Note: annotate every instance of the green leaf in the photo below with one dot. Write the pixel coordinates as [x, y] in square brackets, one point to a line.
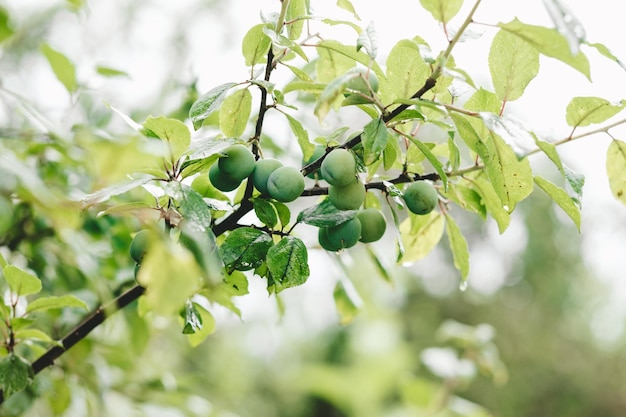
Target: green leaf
[193, 320]
[368, 40]
[374, 139]
[550, 150]
[295, 11]
[325, 214]
[616, 169]
[442, 10]
[346, 308]
[561, 198]
[203, 246]
[3, 261]
[329, 96]
[245, 248]
[433, 161]
[302, 136]
[287, 262]
[21, 282]
[458, 246]
[207, 103]
[602, 49]
[583, 111]
[511, 177]
[336, 50]
[347, 5]
[52, 302]
[550, 43]
[491, 201]
[5, 26]
[513, 63]
[255, 45]
[574, 183]
[117, 189]
[191, 205]
[170, 275]
[284, 214]
[420, 235]
[110, 72]
[174, 134]
[514, 134]
[266, 212]
[470, 136]
[406, 71]
[207, 325]
[235, 112]
[62, 67]
[15, 374]
[34, 335]
[466, 198]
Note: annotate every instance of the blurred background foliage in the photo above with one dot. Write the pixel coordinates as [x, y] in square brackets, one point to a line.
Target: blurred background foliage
[523, 345]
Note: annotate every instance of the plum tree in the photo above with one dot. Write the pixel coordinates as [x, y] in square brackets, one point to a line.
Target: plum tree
[236, 162]
[342, 236]
[262, 170]
[222, 181]
[420, 197]
[348, 197]
[139, 245]
[373, 224]
[285, 184]
[339, 167]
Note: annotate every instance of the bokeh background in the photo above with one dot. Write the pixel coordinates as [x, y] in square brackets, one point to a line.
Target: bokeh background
[539, 331]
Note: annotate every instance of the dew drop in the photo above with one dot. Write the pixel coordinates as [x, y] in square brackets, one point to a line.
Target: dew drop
[463, 285]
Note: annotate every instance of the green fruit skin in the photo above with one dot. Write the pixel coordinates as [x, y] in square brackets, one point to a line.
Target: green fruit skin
[139, 246]
[262, 171]
[6, 215]
[421, 197]
[339, 167]
[344, 235]
[373, 224]
[318, 152]
[222, 181]
[348, 197]
[285, 184]
[237, 162]
[322, 238]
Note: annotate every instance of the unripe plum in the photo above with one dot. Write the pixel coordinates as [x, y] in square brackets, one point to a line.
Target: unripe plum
[421, 197]
[237, 162]
[373, 224]
[139, 245]
[339, 167]
[285, 184]
[262, 170]
[342, 236]
[348, 197]
[222, 181]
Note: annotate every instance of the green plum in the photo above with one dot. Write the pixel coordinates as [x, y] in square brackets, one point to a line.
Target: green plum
[421, 197]
[285, 184]
[139, 245]
[237, 162]
[262, 171]
[347, 197]
[339, 167]
[373, 224]
[342, 236]
[222, 181]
